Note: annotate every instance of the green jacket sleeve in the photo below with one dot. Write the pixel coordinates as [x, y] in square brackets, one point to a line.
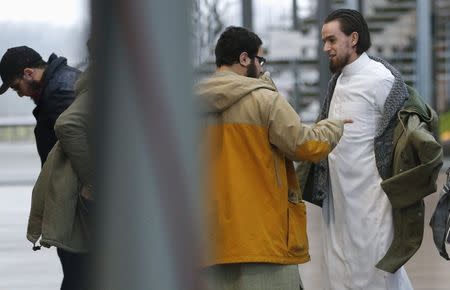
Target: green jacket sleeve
[71, 129]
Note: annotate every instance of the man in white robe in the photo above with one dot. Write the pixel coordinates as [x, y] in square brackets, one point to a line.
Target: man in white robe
[357, 215]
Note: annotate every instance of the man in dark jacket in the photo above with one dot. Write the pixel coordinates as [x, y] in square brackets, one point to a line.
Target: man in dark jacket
[49, 84]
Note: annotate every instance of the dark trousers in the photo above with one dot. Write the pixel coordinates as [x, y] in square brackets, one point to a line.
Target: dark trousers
[75, 269]
[76, 266]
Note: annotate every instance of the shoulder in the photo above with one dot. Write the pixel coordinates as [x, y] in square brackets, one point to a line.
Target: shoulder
[378, 76]
[269, 99]
[379, 72]
[265, 95]
[67, 76]
[63, 79]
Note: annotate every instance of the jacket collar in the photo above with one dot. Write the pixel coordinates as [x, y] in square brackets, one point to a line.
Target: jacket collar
[396, 98]
[223, 89]
[415, 105]
[357, 65]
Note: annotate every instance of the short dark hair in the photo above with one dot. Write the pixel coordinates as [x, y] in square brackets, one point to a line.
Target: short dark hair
[38, 64]
[352, 21]
[234, 41]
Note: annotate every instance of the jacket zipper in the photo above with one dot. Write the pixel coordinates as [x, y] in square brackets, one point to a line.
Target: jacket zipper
[276, 171]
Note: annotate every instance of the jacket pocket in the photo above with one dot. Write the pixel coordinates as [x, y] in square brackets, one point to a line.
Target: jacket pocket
[297, 241]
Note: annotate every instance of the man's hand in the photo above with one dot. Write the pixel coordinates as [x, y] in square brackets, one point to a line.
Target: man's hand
[86, 192]
[347, 121]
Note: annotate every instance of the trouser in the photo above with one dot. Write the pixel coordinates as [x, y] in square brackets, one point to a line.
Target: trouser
[75, 269]
[253, 276]
[76, 266]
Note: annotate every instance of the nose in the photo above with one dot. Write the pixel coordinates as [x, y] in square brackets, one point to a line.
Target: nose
[326, 47]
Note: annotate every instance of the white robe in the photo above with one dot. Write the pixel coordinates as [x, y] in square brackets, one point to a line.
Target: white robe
[357, 217]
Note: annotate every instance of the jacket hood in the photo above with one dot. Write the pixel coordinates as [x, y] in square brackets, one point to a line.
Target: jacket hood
[415, 104]
[53, 63]
[223, 89]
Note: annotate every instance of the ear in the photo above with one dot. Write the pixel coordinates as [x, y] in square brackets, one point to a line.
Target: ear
[28, 73]
[355, 38]
[244, 60]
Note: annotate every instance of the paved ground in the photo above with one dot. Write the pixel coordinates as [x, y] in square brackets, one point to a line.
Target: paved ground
[21, 268]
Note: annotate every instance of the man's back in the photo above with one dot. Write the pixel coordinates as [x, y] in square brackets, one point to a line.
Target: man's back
[250, 131]
[58, 92]
[255, 216]
[244, 174]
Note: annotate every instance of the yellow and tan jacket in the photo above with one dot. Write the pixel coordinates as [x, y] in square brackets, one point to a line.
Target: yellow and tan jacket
[254, 210]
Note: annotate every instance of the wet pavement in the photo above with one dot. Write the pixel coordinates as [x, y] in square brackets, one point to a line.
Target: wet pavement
[21, 268]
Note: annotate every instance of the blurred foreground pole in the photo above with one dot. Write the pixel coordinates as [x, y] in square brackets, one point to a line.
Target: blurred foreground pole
[147, 226]
[295, 25]
[424, 44]
[323, 9]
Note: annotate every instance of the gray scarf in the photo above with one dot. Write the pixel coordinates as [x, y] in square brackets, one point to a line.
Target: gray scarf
[383, 138]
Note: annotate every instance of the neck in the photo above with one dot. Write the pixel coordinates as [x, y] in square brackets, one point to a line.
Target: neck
[39, 72]
[353, 57]
[236, 68]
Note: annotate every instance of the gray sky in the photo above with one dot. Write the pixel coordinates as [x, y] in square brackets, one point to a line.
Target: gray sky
[69, 13]
[59, 26]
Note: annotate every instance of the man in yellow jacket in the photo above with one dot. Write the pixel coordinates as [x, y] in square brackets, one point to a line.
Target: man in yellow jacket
[254, 212]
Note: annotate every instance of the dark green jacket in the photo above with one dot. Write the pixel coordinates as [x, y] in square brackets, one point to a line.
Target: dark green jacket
[417, 159]
[58, 216]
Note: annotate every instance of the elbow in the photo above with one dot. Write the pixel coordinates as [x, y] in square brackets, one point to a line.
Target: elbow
[313, 151]
[65, 127]
[59, 127]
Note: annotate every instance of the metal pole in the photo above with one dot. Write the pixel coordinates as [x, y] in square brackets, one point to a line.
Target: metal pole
[446, 100]
[323, 9]
[423, 55]
[247, 14]
[294, 15]
[297, 94]
[147, 233]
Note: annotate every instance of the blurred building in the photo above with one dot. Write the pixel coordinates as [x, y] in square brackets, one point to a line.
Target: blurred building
[293, 53]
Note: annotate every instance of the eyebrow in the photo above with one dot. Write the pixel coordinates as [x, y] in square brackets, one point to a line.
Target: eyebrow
[328, 37]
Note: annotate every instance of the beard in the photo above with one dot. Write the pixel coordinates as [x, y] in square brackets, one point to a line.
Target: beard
[252, 71]
[35, 88]
[339, 63]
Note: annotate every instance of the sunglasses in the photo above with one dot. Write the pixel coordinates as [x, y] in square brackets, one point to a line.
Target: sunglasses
[261, 60]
